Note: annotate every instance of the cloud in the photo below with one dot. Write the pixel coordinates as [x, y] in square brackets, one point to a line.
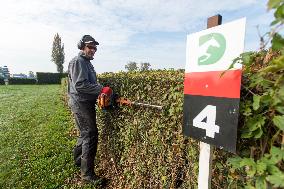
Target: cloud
[140, 30]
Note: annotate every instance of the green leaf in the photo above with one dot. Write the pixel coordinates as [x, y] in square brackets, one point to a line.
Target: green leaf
[246, 134]
[251, 166]
[256, 102]
[256, 80]
[277, 42]
[277, 153]
[245, 108]
[279, 13]
[276, 179]
[255, 122]
[280, 109]
[235, 161]
[247, 111]
[279, 122]
[273, 170]
[266, 100]
[258, 133]
[273, 4]
[253, 127]
[247, 161]
[246, 58]
[261, 167]
[260, 182]
[274, 22]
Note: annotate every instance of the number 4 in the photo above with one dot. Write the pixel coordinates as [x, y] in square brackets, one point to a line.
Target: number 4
[210, 112]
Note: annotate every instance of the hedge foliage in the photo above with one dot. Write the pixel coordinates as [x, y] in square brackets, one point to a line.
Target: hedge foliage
[260, 163]
[145, 147]
[50, 78]
[19, 81]
[2, 82]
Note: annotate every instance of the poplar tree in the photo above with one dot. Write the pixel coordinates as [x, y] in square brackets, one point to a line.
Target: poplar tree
[58, 55]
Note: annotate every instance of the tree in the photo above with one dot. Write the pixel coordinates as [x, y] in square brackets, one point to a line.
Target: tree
[131, 66]
[31, 74]
[58, 55]
[145, 66]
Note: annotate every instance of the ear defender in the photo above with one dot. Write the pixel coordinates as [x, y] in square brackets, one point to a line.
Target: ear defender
[86, 39]
[81, 44]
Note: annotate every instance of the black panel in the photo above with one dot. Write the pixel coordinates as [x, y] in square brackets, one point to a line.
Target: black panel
[227, 111]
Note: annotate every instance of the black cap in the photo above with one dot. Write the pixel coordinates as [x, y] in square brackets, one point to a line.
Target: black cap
[87, 39]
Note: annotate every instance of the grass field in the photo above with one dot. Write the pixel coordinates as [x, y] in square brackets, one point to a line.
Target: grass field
[36, 140]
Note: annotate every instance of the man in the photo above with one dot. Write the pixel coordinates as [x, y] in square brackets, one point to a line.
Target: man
[83, 91]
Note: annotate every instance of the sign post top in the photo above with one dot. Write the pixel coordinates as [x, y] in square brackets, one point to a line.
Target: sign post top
[214, 21]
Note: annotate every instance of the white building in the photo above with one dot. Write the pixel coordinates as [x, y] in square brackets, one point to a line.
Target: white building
[4, 72]
[21, 75]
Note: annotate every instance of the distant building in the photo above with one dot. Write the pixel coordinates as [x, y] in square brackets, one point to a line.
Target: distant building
[4, 72]
[1, 73]
[21, 75]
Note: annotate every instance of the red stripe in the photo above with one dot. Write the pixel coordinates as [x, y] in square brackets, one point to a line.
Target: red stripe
[211, 84]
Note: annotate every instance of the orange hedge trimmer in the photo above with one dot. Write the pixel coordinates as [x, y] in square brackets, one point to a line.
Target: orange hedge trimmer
[106, 102]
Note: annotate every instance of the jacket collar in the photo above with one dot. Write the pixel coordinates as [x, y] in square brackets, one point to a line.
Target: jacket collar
[82, 54]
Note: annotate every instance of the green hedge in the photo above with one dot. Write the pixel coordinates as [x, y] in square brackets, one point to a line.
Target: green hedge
[2, 82]
[145, 147]
[19, 81]
[50, 78]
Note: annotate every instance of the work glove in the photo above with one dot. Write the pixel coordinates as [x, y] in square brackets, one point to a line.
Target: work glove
[106, 91]
[105, 98]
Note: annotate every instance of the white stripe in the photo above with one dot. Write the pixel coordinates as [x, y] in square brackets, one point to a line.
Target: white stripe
[89, 41]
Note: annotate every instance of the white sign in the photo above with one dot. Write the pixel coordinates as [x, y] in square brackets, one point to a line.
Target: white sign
[211, 102]
[214, 49]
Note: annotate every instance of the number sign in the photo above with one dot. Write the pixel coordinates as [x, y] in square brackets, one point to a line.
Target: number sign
[211, 96]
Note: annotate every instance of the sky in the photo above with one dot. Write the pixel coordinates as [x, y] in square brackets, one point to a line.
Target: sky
[151, 31]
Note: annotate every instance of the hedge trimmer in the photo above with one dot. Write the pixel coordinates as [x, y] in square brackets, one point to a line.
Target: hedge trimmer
[107, 102]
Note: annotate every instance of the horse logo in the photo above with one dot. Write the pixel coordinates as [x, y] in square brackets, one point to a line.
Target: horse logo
[211, 48]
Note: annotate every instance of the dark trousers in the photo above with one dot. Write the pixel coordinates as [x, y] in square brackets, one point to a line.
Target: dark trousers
[86, 147]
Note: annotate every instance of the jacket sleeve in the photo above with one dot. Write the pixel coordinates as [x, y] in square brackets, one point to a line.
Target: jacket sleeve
[79, 76]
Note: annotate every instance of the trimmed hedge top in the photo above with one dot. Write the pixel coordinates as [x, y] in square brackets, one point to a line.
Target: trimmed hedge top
[20, 81]
[50, 78]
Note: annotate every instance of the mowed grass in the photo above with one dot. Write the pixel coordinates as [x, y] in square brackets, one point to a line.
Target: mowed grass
[36, 145]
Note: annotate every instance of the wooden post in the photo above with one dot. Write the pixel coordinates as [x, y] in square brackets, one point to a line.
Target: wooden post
[214, 21]
[206, 150]
[205, 165]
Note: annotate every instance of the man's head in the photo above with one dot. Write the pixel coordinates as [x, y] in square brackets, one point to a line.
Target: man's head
[88, 45]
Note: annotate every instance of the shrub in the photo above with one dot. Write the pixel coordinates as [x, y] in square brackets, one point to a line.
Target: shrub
[19, 81]
[145, 146]
[259, 163]
[50, 78]
[2, 82]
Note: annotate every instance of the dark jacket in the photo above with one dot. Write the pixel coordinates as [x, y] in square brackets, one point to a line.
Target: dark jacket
[82, 81]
